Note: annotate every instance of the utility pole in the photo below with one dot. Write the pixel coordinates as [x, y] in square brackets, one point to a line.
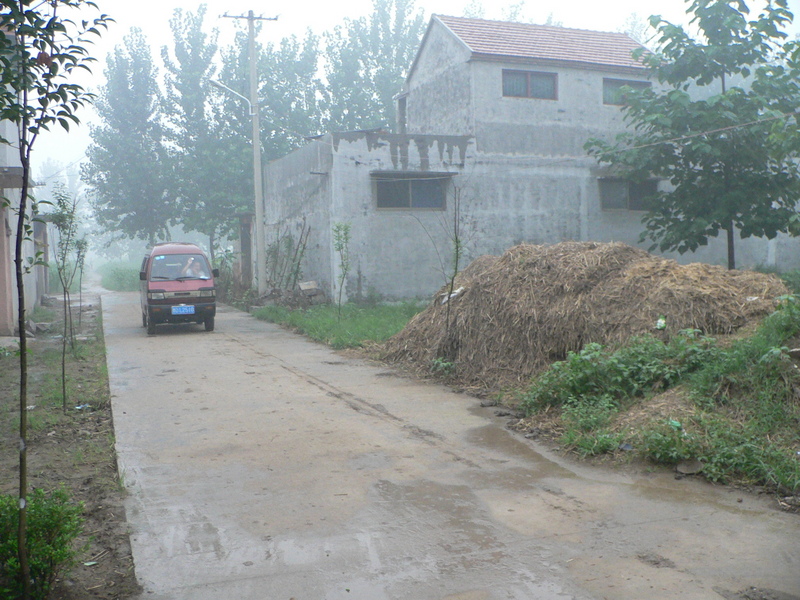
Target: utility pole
[260, 255]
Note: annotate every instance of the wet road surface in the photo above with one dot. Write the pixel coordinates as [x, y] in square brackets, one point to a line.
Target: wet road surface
[263, 466]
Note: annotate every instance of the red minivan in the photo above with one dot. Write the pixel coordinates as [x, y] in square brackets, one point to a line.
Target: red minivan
[177, 286]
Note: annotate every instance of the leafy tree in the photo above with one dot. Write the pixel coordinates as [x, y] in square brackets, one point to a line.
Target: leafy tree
[39, 51]
[365, 62]
[289, 92]
[719, 127]
[206, 203]
[127, 156]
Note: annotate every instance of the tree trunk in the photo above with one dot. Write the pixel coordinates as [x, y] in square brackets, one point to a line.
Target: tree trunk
[22, 532]
[731, 252]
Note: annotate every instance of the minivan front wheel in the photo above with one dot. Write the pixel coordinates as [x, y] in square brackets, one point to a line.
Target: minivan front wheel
[151, 326]
[209, 322]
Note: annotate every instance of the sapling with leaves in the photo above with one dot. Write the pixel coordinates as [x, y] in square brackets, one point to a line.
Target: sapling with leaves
[39, 51]
[341, 244]
[65, 220]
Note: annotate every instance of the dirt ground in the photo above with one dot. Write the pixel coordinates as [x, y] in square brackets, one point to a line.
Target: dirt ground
[75, 449]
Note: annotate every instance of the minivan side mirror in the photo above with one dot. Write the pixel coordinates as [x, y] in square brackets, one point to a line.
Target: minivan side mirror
[142, 276]
[215, 272]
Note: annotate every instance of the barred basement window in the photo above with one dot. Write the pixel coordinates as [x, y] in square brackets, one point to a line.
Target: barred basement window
[406, 190]
[530, 84]
[627, 195]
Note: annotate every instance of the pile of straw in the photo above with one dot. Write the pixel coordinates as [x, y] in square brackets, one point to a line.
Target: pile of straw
[514, 315]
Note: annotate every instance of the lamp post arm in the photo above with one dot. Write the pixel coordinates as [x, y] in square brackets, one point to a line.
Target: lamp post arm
[222, 86]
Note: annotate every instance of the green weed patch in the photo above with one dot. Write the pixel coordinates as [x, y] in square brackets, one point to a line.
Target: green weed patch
[745, 408]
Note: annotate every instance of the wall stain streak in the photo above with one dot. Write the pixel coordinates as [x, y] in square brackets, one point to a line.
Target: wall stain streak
[399, 143]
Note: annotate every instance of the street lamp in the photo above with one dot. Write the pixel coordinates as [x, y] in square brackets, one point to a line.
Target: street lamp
[258, 192]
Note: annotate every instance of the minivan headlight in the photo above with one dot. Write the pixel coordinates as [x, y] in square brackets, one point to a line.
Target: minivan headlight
[207, 293]
[155, 295]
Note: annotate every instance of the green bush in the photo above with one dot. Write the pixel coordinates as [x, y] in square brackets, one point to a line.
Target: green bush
[53, 526]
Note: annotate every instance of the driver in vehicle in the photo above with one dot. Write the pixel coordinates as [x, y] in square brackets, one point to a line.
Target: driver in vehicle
[194, 268]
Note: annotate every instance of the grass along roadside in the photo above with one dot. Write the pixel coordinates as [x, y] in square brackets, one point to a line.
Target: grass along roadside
[732, 410]
[359, 325]
[73, 449]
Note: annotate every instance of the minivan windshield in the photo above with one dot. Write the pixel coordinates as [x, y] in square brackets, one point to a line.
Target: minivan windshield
[176, 267]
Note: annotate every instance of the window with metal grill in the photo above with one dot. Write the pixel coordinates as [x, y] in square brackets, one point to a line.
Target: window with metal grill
[530, 84]
[627, 195]
[417, 190]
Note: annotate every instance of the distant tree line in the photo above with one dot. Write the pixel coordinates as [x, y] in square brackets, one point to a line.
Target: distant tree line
[170, 149]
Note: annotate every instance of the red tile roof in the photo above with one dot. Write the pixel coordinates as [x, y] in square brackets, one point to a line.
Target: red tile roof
[544, 42]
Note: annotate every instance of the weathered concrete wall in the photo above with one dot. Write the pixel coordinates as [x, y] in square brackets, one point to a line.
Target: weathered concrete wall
[395, 253]
[297, 195]
[543, 127]
[606, 225]
[438, 88]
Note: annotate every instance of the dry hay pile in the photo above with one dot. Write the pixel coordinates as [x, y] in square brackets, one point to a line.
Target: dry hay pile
[517, 313]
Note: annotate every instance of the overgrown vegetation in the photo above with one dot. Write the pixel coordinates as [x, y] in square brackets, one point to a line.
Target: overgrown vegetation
[284, 259]
[230, 288]
[348, 326]
[740, 405]
[119, 276]
[54, 524]
[792, 280]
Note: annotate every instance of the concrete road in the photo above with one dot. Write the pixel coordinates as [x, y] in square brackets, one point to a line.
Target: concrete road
[263, 466]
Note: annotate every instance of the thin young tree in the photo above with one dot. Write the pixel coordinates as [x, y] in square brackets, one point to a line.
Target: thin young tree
[65, 220]
[341, 245]
[40, 49]
[81, 248]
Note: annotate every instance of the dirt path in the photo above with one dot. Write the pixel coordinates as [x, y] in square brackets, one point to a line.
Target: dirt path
[260, 465]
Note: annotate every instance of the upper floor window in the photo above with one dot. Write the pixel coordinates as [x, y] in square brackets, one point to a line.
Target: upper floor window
[628, 195]
[530, 84]
[418, 190]
[613, 93]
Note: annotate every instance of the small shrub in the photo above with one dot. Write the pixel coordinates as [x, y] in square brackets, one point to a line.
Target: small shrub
[442, 367]
[53, 526]
[589, 415]
[669, 443]
[591, 444]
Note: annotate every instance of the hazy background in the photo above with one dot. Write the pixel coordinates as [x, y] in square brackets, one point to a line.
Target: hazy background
[59, 151]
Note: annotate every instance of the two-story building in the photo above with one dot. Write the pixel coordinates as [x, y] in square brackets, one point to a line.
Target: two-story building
[488, 150]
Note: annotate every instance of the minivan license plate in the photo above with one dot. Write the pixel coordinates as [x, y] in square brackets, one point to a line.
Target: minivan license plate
[183, 310]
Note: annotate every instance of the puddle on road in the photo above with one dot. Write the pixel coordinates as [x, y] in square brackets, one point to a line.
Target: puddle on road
[494, 437]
